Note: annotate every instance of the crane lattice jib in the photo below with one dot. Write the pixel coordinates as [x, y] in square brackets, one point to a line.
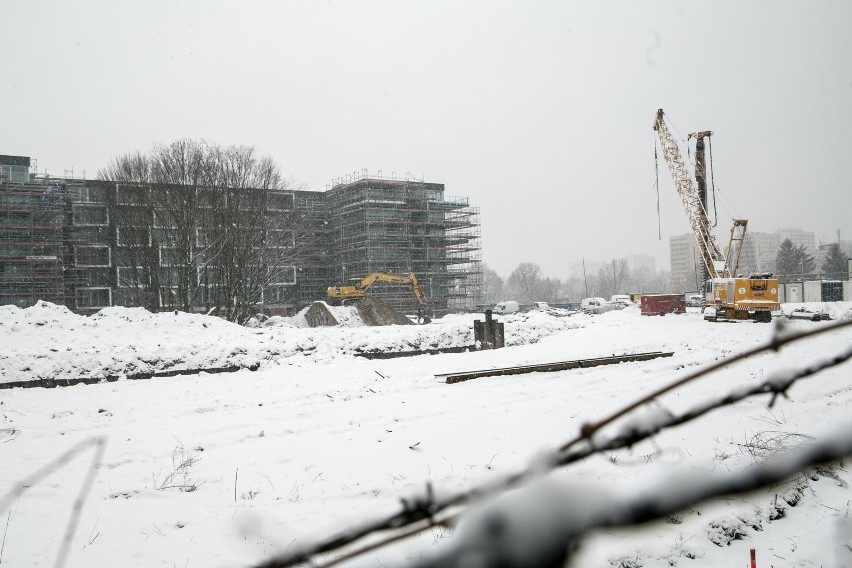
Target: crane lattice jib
[710, 253]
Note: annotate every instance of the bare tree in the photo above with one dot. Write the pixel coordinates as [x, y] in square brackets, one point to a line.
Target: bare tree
[218, 223]
[492, 286]
[613, 276]
[525, 282]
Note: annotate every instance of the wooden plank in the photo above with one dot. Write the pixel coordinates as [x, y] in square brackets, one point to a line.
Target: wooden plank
[458, 377]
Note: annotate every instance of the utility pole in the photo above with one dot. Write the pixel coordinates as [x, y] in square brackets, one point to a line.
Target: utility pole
[584, 276]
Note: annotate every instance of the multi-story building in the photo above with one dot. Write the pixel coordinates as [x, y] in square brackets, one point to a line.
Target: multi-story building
[686, 263]
[94, 244]
[641, 265]
[37, 242]
[402, 226]
[798, 237]
[759, 253]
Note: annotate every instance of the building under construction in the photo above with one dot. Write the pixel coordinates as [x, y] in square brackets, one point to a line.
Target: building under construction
[402, 226]
[37, 241]
[62, 241]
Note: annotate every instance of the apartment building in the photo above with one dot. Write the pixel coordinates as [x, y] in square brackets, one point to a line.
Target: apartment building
[94, 244]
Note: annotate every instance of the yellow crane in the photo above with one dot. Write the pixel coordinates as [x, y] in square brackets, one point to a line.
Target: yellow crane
[728, 295]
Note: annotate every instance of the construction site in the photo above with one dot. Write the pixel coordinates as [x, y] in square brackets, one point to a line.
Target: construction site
[62, 241]
[36, 239]
[403, 226]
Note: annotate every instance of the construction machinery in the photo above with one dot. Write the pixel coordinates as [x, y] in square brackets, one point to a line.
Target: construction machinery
[727, 295]
[359, 287]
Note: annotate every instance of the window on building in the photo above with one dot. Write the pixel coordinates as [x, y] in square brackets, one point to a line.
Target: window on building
[168, 297]
[94, 297]
[131, 195]
[169, 256]
[169, 276]
[275, 294]
[92, 235]
[91, 194]
[100, 277]
[161, 219]
[203, 295]
[92, 255]
[207, 277]
[134, 236]
[279, 201]
[91, 215]
[129, 277]
[164, 237]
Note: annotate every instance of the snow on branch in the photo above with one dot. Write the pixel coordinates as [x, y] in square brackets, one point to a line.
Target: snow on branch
[542, 523]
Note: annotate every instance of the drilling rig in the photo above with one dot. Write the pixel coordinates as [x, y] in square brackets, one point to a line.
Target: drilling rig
[727, 296]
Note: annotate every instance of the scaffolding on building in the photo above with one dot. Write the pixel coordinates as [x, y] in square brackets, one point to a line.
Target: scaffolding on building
[37, 244]
[62, 240]
[313, 255]
[401, 226]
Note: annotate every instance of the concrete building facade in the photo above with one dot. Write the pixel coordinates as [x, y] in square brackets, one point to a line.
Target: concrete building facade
[641, 265]
[686, 260]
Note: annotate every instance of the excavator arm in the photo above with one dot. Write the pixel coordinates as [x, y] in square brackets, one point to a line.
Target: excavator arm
[359, 289]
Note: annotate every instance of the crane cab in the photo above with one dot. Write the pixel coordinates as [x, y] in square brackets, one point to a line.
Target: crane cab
[741, 298]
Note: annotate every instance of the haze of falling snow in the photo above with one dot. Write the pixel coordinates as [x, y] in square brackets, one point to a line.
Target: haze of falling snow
[541, 114]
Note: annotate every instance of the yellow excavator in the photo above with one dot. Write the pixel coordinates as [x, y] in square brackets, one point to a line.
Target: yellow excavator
[359, 287]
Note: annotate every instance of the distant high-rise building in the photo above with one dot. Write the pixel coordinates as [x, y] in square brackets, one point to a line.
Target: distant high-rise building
[685, 259]
[759, 253]
[798, 237]
[641, 265]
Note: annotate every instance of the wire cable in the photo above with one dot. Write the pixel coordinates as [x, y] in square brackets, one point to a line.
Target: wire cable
[712, 181]
[657, 186]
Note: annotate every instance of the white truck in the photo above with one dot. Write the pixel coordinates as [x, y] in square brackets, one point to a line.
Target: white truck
[508, 307]
[596, 305]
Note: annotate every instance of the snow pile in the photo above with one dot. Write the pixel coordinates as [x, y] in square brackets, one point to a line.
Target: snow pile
[835, 310]
[48, 341]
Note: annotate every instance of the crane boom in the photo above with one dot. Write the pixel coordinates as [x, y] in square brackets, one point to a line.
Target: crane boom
[711, 255]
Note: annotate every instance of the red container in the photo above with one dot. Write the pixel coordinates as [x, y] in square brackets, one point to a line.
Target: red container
[661, 304]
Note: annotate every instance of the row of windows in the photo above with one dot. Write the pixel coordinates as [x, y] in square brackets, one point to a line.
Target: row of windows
[141, 237]
[141, 195]
[100, 255]
[128, 276]
[98, 298]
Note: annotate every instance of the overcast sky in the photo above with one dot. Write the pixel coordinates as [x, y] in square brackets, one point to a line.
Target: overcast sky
[540, 112]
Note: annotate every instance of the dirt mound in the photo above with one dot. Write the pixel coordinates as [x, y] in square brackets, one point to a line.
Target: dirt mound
[375, 311]
[319, 316]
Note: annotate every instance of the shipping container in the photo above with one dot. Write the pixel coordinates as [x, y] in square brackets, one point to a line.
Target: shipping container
[661, 304]
[832, 291]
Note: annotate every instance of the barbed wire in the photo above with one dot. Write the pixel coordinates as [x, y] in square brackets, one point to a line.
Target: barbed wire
[541, 524]
[99, 443]
[430, 504]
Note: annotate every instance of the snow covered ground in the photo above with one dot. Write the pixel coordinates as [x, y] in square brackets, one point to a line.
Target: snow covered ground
[317, 438]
